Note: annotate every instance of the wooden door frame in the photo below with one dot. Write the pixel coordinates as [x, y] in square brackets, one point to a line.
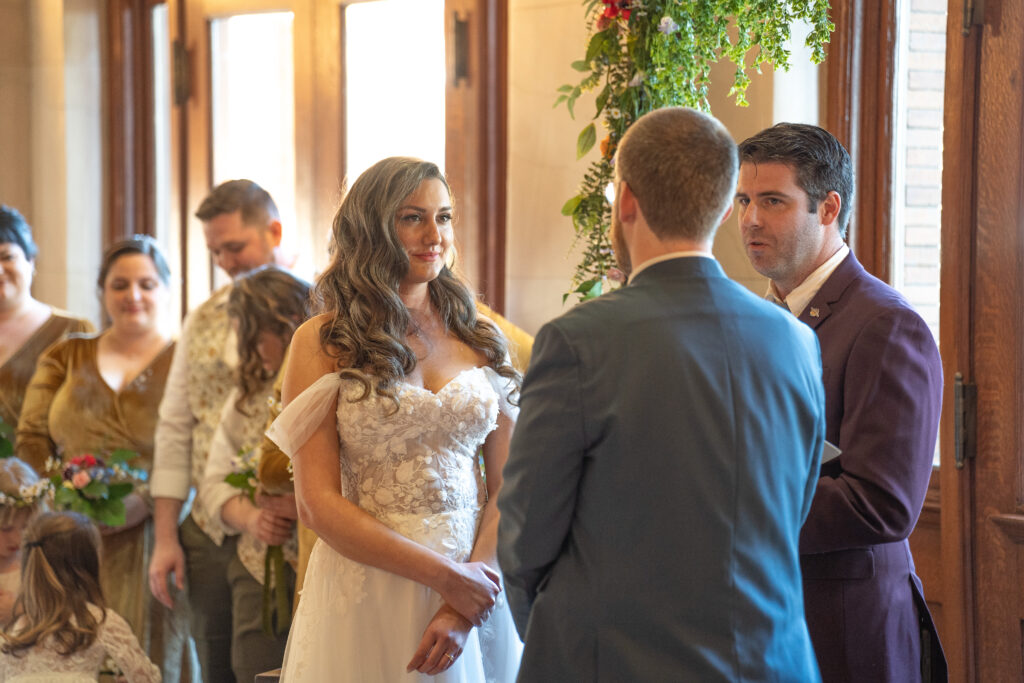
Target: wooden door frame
[859, 80]
[129, 132]
[475, 148]
[475, 140]
[956, 335]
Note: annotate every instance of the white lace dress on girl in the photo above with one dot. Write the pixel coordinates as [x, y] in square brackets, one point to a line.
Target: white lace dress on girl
[417, 471]
[114, 640]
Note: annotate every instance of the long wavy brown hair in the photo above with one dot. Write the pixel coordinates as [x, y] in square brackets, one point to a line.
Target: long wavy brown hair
[60, 578]
[368, 322]
[268, 299]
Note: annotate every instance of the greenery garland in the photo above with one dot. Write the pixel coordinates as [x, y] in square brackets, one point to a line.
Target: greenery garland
[647, 54]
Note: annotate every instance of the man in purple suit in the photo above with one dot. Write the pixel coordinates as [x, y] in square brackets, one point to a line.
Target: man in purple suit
[883, 392]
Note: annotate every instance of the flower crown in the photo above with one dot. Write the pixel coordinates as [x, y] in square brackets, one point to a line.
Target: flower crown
[27, 495]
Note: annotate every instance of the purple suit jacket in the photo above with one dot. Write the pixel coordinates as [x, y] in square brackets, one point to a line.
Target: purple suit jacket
[883, 394]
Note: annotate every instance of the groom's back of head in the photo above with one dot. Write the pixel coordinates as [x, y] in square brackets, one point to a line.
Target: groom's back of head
[682, 166]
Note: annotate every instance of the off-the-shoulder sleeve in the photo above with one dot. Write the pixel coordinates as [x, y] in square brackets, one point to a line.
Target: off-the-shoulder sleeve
[299, 420]
[120, 643]
[505, 389]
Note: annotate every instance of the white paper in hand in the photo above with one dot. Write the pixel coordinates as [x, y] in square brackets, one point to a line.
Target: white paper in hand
[830, 452]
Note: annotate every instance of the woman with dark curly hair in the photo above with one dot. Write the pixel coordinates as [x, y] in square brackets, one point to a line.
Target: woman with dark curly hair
[393, 396]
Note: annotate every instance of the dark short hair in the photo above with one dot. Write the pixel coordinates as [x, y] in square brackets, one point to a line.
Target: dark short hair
[137, 244]
[821, 163]
[14, 230]
[255, 203]
[681, 164]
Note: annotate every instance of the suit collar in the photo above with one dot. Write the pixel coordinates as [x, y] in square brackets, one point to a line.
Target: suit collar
[820, 306]
[686, 266]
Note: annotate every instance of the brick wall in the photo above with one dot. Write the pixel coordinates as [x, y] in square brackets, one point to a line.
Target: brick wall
[919, 156]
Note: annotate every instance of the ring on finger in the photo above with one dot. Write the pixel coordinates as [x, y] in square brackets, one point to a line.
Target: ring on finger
[451, 657]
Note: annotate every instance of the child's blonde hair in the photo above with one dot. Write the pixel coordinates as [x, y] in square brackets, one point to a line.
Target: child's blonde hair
[60, 578]
[21, 489]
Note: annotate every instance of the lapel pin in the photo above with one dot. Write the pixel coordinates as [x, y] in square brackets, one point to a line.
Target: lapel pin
[814, 312]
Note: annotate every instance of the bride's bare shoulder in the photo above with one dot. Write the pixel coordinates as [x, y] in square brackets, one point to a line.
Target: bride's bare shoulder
[307, 346]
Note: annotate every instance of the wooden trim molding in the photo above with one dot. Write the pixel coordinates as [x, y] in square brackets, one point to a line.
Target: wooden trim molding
[956, 339]
[493, 153]
[860, 78]
[475, 148]
[130, 183]
[1011, 525]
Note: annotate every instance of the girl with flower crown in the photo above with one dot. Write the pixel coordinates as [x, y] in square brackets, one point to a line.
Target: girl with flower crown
[61, 628]
[21, 497]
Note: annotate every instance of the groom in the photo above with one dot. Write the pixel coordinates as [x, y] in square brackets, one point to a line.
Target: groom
[667, 449]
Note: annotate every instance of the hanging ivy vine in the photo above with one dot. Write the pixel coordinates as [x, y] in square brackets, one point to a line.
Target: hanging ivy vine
[647, 54]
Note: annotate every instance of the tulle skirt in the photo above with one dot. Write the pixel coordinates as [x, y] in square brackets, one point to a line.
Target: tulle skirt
[361, 624]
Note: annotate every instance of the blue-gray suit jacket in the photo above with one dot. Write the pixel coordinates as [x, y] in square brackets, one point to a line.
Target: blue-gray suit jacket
[662, 466]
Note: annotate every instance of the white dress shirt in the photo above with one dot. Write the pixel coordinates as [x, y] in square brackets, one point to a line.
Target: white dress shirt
[803, 293]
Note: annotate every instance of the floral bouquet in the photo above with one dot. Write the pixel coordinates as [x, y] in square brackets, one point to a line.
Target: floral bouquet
[95, 487]
[275, 583]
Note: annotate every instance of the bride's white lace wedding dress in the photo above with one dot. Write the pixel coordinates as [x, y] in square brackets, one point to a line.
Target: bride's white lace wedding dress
[418, 472]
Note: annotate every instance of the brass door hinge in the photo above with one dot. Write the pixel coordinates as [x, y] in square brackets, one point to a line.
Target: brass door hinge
[965, 409]
[974, 15]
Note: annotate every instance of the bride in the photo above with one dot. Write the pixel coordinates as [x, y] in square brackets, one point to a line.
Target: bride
[390, 396]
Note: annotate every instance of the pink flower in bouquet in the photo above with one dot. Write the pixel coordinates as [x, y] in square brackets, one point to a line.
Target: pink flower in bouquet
[81, 479]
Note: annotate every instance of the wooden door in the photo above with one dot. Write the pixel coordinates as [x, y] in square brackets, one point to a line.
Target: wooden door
[316, 159]
[982, 503]
[475, 141]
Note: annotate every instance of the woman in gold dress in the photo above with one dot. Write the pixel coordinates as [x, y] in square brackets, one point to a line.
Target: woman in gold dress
[27, 326]
[96, 394]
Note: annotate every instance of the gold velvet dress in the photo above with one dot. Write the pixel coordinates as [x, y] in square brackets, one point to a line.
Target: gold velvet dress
[70, 410]
[17, 371]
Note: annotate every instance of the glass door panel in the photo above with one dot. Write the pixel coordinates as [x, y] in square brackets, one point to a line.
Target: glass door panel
[917, 190]
[394, 82]
[253, 107]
